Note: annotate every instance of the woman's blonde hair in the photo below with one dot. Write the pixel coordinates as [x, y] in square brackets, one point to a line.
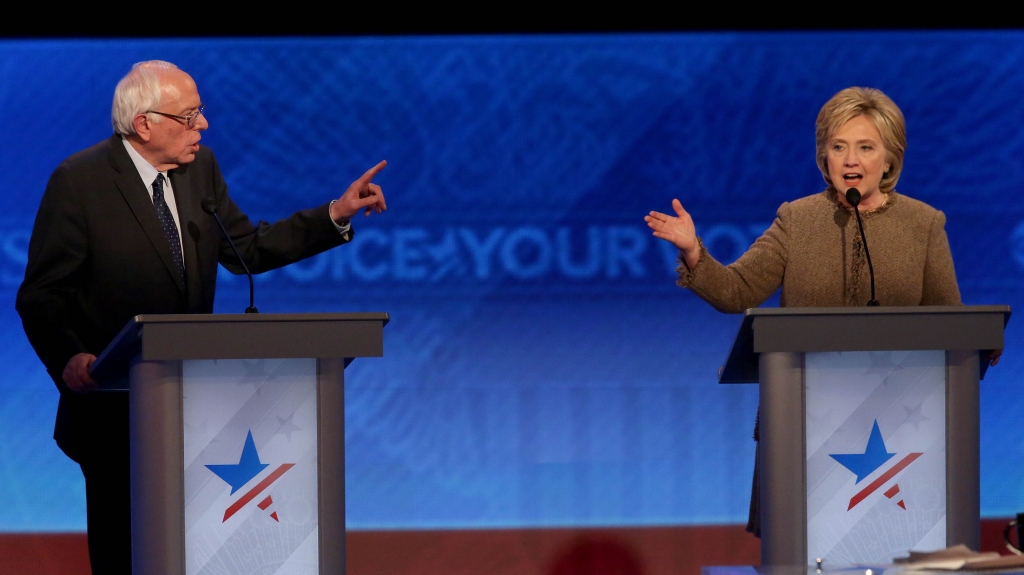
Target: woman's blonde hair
[883, 113]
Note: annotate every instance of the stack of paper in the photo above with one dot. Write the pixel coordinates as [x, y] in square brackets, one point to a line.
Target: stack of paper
[957, 558]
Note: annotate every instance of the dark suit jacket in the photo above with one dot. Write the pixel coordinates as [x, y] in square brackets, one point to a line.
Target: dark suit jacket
[97, 258]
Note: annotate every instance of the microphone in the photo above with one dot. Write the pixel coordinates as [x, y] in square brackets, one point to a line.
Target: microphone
[210, 207]
[853, 197]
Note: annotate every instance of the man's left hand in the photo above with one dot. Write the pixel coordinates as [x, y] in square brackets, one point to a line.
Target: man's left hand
[363, 195]
[76, 373]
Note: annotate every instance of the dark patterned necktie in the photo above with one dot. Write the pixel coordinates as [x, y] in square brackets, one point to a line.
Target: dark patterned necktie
[167, 224]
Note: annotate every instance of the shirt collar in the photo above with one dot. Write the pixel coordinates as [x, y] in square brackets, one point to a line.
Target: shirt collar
[146, 170]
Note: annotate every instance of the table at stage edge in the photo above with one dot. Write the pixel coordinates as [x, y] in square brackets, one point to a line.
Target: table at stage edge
[838, 570]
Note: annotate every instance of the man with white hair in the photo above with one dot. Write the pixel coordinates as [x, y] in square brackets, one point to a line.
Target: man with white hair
[121, 231]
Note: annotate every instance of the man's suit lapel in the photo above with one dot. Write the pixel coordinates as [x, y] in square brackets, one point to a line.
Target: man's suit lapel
[137, 196]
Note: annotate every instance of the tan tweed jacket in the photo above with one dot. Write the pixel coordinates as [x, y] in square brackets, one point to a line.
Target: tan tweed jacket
[814, 251]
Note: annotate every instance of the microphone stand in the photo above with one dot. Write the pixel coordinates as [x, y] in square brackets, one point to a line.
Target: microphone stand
[210, 207]
[853, 197]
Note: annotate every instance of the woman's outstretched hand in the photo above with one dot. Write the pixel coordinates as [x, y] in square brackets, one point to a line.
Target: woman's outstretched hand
[678, 229]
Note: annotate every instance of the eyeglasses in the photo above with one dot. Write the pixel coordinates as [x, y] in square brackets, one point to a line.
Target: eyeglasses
[189, 120]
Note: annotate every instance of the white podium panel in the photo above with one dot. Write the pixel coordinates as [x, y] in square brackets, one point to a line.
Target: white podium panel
[868, 425]
[250, 466]
[876, 455]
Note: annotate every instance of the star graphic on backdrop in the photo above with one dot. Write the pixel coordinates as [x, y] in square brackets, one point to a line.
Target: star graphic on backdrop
[882, 364]
[914, 416]
[863, 464]
[198, 427]
[248, 466]
[286, 426]
[818, 422]
[445, 254]
[255, 374]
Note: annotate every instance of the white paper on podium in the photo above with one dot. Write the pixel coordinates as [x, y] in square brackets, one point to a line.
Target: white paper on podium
[269, 523]
[892, 496]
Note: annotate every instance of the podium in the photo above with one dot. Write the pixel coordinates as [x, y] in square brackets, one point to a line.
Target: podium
[237, 429]
[869, 428]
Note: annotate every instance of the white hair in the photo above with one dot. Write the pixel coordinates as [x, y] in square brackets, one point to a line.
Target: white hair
[137, 92]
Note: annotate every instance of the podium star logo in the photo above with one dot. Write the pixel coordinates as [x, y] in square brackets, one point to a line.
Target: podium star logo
[248, 466]
[864, 464]
[874, 456]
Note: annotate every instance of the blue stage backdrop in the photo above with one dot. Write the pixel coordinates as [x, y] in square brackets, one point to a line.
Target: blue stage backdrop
[541, 367]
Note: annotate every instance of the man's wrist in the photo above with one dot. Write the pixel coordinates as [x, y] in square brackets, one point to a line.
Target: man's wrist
[343, 226]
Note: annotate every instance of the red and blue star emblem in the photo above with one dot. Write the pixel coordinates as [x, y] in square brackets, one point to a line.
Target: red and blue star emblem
[874, 457]
[237, 475]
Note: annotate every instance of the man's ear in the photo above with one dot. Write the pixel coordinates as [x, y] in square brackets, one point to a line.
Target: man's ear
[142, 125]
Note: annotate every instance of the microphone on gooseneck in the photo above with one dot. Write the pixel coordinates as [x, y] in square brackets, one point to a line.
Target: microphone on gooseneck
[853, 197]
[210, 207]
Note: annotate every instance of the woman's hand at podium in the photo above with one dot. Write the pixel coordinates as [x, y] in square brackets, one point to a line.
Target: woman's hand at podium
[679, 230]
